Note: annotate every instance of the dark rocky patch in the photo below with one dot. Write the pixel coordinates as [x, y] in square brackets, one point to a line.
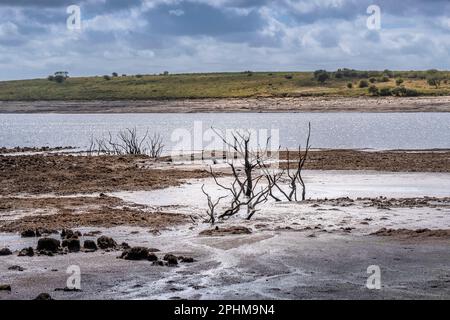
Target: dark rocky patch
[105, 242]
[26, 252]
[233, 230]
[5, 287]
[5, 252]
[48, 245]
[171, 259]
[16, 268]
[72, 244]
[43, 296]
[135, 253]
[90, 245]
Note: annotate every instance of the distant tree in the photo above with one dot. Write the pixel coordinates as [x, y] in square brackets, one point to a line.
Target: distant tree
[388, 73]
[349, 85]
[373, 90]
[106, 77]
[384, 79]
[51, 78]
[363, 84]
[372, 80]
[124, 75]
[339, 74]
[399, 81]
[166, 73]
[115, 74]
[434, 81]
[384, 92]
[321, 75]
[288, 76]
[139, 76]
[404, 92]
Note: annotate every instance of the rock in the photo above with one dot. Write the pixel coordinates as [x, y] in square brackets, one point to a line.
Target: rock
[29, 233]
[5, 252]
[152, 257]
[171, 259]
[5, 287]
[105, 242]
[226, 231]
[46, 253]
[48, 244]
[72, 244]
[90, 245]
[135, 253]
[26, 252]
[69, 234]
[187, 259]
[158, 263]
[43, 296]
[16, 268]
[125, 245]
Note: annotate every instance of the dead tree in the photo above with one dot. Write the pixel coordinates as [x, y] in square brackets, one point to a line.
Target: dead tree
[211, 206]
[155, 146]
[130, 143]
[244, 191]
[240, 144]
[294, 174]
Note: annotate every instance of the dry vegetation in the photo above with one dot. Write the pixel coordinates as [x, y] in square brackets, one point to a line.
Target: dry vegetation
[220, 85]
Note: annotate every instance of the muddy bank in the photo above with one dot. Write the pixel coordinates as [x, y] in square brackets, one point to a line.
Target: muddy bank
[419, 234]
[293, 104]
[51, 213]
[4, 150]
[59, 174]
[265, 266]
[393, 161]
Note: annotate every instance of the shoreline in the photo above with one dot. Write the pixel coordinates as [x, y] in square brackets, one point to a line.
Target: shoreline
[232, 105]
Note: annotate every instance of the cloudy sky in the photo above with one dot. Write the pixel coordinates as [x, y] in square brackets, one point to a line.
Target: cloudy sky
[150, 36]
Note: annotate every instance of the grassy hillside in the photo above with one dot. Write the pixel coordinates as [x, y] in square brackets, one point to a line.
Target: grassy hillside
[215, 85]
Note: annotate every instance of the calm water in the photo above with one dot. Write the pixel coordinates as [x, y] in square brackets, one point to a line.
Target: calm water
[329, 130]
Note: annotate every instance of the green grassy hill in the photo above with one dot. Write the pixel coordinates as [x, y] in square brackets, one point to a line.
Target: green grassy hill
[215, 85]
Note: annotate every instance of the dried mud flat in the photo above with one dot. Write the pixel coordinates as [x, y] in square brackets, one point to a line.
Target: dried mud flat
[263, 104]
[316, 249]
[59, 174]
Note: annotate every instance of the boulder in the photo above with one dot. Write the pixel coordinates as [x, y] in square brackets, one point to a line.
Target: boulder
[72, 244]
[26, 252]
[5, 252]
[105, 242]
[125, 245]
[135, 253]
[5, 287]
[16, 268]
[90, 245]
[152, 257]
[187, 259]
[48, 244]
[43, 296]
[171, 259]
[29, 233]
[69, 234]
